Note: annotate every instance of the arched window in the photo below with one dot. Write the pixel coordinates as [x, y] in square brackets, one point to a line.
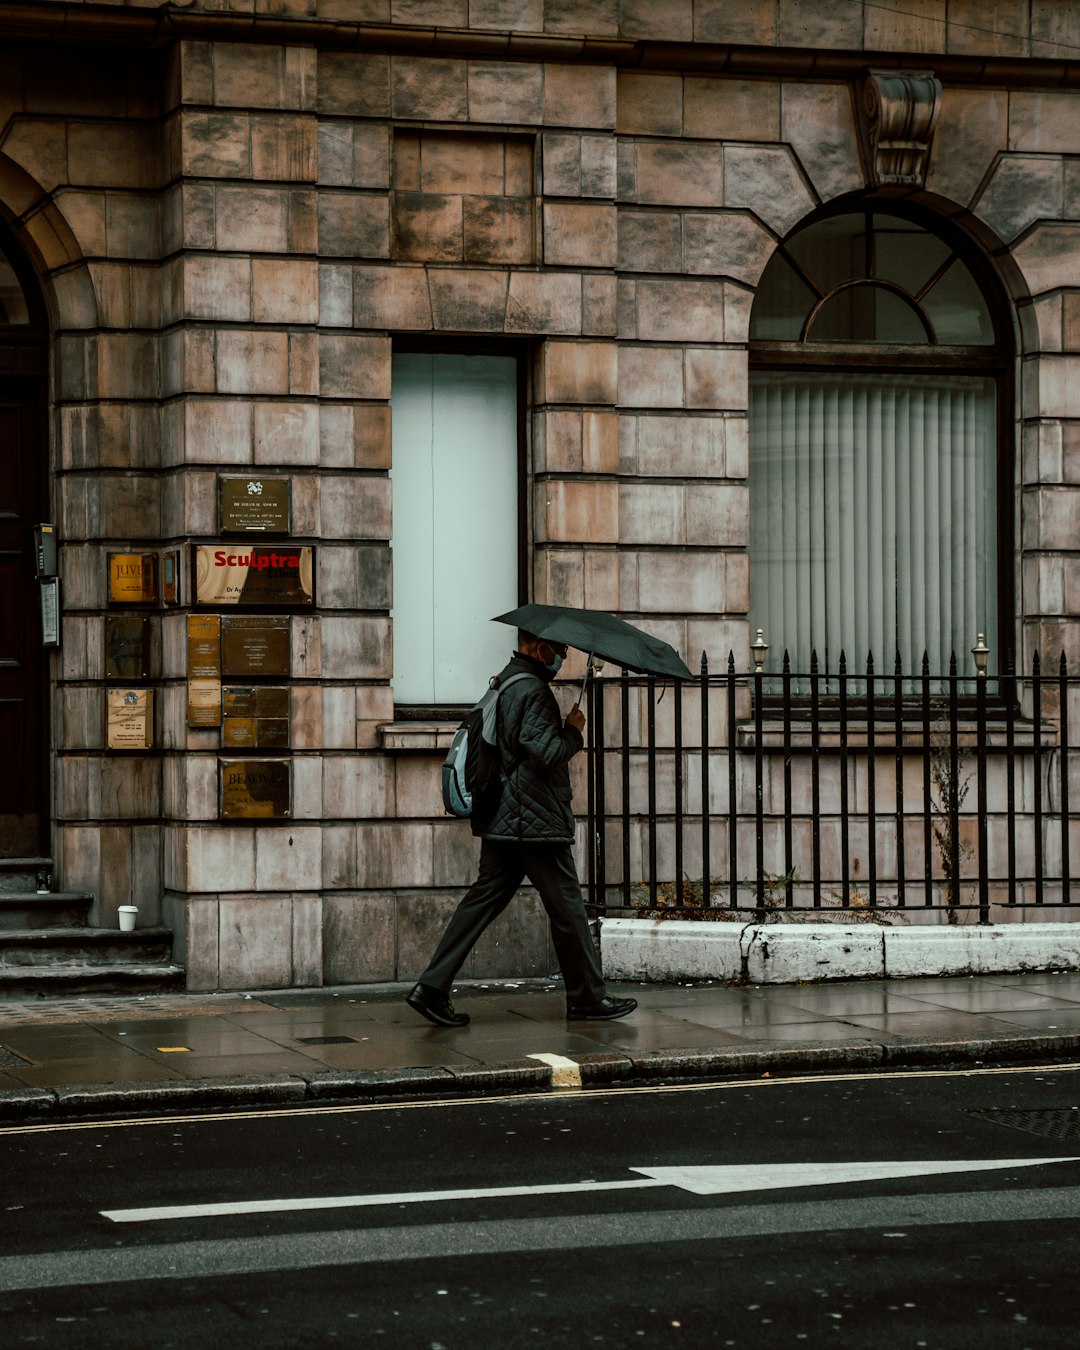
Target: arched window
[877, 520]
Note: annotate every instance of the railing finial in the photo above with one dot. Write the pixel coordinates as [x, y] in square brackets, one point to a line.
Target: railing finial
[979, 653]
[760, 648]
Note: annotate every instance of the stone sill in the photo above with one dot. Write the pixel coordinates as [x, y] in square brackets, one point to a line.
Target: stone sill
[911, 737]
[417, 738]
[753, 953]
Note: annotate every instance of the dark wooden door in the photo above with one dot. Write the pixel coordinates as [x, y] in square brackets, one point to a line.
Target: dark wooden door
[23, 707]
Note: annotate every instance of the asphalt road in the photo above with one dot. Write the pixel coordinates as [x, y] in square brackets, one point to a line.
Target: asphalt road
[936, 1210]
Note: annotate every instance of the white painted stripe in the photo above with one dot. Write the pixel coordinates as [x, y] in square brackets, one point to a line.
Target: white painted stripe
[702, 1180]
[360, 1201]
[565, 1072]
[727, 1180]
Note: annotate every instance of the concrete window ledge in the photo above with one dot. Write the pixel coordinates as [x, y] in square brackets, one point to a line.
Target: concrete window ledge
[424, 738]
[677, 949]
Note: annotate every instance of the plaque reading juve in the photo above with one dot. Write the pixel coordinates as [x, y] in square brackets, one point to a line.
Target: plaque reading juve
[255, 789]
[245, 574]
[133, 578]
[254, 505]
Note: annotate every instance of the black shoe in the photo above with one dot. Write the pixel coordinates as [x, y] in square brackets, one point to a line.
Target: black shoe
[604, 1010]
[435, 1006]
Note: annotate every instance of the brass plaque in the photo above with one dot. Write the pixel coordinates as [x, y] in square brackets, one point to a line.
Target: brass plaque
[247, 574]
[127, 642]
[255, 789]
[133, 578]
[130, 718]
[170, 577]
[250, 505]
[204, 703]
[255, 646]
[240, 733]
[255, 716]
[203, 646]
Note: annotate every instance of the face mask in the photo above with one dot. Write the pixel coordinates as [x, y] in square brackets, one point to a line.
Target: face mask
[555, 664]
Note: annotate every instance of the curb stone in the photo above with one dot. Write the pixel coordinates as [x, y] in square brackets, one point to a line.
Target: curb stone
[601, 1069]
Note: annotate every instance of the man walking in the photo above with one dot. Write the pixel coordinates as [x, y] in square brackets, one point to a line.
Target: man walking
[528, 833]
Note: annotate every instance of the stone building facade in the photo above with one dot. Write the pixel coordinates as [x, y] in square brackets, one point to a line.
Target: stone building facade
[224, 221]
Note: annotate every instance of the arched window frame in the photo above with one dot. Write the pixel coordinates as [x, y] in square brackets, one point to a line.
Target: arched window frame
[995, 359]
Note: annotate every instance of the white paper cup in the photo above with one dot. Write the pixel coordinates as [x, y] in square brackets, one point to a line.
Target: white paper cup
[128, 915]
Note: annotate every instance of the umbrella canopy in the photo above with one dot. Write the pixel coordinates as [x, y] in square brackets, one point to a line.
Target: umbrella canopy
[600, 634]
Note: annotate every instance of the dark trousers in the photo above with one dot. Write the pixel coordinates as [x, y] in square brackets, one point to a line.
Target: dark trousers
[503, 867]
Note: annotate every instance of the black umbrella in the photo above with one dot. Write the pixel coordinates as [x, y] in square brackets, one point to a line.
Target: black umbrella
[600, 634]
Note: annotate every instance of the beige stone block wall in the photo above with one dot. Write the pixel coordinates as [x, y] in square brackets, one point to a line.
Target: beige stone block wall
[263, 220]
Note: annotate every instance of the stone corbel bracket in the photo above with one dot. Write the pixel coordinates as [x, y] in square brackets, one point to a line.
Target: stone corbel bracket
[898, 111]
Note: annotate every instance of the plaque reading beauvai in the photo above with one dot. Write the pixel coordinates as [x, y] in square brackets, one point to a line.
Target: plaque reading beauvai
[243, 574]
[133, 578]
[254, 505]
[255, 789]
[255, 645]
[130, 718]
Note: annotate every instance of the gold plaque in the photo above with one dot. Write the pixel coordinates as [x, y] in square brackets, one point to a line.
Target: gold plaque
[251, 505]
[203, 646]
[255, 789]
[132, 578]
[240, 733]
[247, 574]
[126, 647]
[170, 577]
[255, 716]
[204, 703]
[253, 645]
[130, 718]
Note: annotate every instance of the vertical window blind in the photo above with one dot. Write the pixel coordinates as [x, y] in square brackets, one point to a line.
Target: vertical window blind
[455, 523]
[872, 517]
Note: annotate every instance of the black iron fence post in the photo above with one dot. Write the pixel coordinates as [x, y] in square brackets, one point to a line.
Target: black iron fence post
[928, 826]
[1063, 751]
[733, 796]
[789, 843]
[1036, 682]
[845, 836]
[898, 734]
[706, 860]
[871, 783]
[980, 739]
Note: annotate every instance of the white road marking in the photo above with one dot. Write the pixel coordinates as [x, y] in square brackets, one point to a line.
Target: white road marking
[358, 1201]
[704, 1180]
[565, 1072]
[780, 1176]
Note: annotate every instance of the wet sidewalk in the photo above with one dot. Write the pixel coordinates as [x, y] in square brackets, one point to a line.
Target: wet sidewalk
[187, 1052]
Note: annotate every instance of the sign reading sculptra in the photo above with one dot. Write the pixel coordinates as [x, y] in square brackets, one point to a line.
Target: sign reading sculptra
[239, 574]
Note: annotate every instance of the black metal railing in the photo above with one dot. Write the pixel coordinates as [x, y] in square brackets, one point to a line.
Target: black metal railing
[847, 791]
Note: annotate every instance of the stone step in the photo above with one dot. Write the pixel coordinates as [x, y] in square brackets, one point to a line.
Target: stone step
[49, 947]
[63, 981]
[22, 910]
[21, 874]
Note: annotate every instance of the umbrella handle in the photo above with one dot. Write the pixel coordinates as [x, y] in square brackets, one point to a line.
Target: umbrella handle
[585, 680]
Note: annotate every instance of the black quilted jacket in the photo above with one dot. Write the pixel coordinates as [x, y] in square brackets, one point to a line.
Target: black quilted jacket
[534, 800]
